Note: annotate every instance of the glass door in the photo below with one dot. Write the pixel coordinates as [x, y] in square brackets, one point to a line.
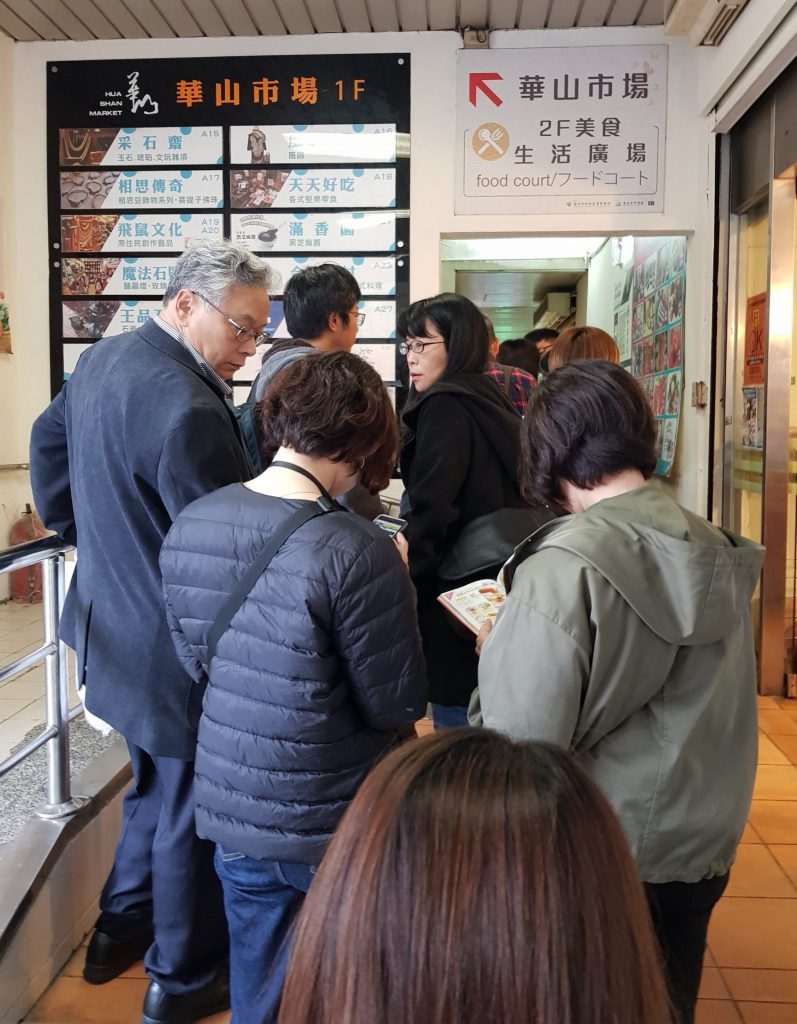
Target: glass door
[746, 396]
[760, 489]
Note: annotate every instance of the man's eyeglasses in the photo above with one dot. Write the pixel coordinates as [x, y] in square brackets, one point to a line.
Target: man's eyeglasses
[416, 346]
[241, 333]
[360, 317]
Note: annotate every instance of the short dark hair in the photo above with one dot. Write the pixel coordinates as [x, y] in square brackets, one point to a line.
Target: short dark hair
[314, 294]
[333, 405]
[541, 334]
[521, 353]
[588, 420]
[459, 323]
[552, 929]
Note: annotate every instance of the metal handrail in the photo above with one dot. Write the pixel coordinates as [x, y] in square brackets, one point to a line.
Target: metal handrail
[51, 552]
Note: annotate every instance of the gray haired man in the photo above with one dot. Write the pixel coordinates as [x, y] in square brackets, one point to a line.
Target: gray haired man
[140, 430]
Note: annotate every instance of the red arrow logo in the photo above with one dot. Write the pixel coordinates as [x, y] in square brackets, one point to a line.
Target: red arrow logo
[477, 80]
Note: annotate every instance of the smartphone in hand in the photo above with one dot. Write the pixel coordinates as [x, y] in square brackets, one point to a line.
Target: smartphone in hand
[391, 524]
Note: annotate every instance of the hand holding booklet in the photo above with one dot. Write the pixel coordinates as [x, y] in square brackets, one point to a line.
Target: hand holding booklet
[475, 603]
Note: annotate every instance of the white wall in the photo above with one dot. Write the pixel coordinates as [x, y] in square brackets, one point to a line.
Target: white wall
[760, 43]
[15, 395]
[600, 291]
[688, 196]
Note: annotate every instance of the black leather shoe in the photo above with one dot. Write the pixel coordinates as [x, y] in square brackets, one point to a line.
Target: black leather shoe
[107, 957]
[162, 1007]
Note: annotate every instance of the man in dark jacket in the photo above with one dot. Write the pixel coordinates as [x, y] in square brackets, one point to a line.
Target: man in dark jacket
[320, 306]
[141, 429]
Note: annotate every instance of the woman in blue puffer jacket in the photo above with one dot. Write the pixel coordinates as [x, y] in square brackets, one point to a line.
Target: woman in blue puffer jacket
[320, 668]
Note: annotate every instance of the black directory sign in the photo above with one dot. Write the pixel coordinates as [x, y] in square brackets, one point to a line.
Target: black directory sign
[302, 159]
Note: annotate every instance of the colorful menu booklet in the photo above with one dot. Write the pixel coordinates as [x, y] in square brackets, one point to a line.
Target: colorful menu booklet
[475, 603]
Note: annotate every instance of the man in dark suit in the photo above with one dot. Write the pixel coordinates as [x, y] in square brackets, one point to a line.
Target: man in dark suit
[141, 429]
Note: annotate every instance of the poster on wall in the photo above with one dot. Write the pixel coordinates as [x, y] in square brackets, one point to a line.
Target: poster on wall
[657, 335]
[302, 159]
[561, 129]
[623, 267]
[755, 340]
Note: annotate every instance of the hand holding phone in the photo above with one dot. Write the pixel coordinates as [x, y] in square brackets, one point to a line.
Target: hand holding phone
[391, 524]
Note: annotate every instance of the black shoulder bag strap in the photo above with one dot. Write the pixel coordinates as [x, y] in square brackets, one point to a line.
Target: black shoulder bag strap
[320, 507]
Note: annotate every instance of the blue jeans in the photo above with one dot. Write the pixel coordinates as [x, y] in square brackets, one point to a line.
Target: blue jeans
[449, 717]
[261, 900]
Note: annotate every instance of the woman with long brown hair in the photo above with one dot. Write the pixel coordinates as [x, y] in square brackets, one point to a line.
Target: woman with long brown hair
[472, 880]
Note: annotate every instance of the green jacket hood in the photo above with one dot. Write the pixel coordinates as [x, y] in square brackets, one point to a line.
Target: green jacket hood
[676, 571]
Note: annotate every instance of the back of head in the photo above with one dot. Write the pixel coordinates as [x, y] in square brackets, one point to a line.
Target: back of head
[210, 268]
[582, 343]
[459, 323]
[520, 352]
[475, 879]
[332, 405]
[589, 420]
[538, 334]
[314, 294]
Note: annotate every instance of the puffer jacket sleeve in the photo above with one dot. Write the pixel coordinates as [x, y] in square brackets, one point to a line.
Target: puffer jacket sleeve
[376, 633]
[186, 652]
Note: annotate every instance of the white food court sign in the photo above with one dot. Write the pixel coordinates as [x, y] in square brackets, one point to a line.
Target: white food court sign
[561, 130]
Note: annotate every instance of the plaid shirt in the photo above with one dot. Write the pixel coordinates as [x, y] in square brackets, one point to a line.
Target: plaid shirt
[520, 384]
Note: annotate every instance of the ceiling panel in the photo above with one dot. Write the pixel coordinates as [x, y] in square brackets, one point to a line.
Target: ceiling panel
[383, 14]
[323, 15]
[237, 16]
[593, 13]
[443, 15]
[208, 18]
[655, 12]
[14, 26]
[625, 12]
[294, 16]
[354, 15]
[152, 19]
[509, 298]
[533, 14]
[39, 22]
[267, 18]
[114, 13]
[564, 14]
[71, 25]
[26, 20]
[178, 17]
[473, 13]
[503, 14]
[412, 15]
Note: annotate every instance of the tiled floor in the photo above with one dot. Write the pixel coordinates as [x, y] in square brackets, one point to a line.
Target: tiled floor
[751, 972]
[751, 966]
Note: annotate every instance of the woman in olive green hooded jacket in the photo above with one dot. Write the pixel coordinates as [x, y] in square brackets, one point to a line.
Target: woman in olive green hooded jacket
[627, 638]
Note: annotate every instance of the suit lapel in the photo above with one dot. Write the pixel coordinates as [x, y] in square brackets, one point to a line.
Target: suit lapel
[165, 343]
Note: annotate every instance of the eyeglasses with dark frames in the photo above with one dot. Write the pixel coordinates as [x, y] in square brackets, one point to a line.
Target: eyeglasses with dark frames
[241, 333]
[416, 345]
